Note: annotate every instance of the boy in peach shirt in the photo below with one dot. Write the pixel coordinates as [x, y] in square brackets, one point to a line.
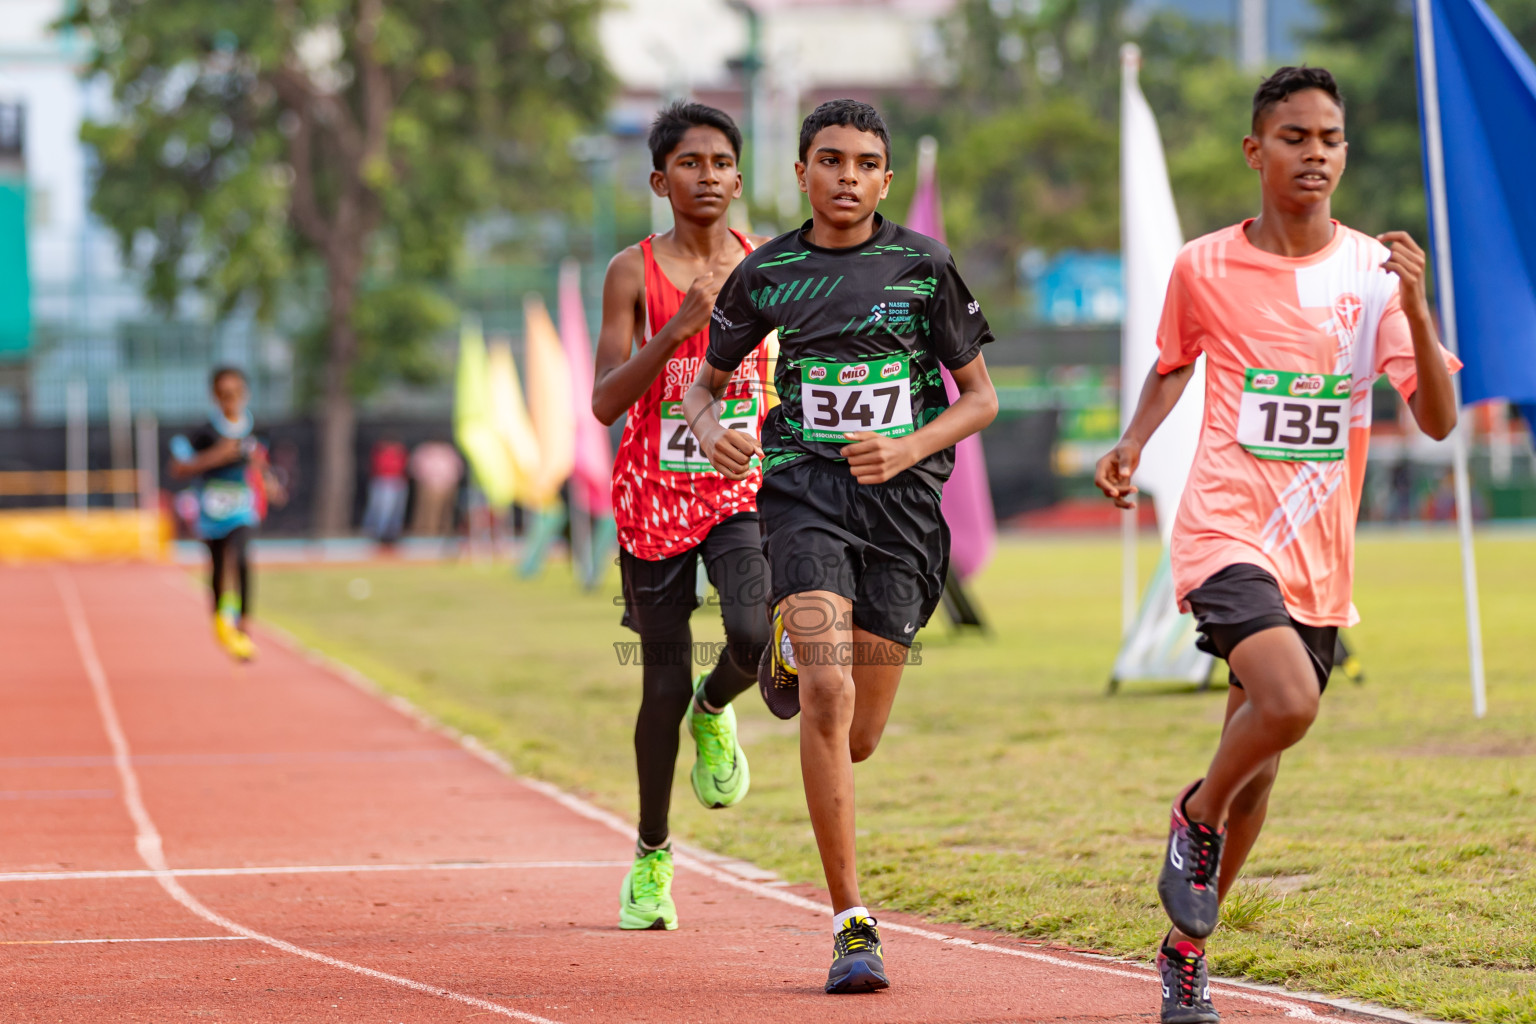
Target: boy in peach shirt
[1296, 316]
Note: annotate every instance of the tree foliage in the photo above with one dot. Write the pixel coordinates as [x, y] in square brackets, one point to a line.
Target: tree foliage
[1369, 46]
[251, 142]
[1030, 151]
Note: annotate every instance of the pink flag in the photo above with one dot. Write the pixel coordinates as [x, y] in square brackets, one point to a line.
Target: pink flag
[967, 496]
[592, 474]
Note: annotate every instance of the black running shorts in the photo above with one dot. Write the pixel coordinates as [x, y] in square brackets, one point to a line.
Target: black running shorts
[661, 595]
[885, 547]
[1236, 602]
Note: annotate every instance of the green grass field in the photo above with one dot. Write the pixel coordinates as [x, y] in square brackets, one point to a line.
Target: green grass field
[1011, 793]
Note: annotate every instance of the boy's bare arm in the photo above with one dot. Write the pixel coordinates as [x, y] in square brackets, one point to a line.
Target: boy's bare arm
[1434, 402]
[729, 451]
[874, 458]
[222, 453]
[1159, 395]
[618, 379]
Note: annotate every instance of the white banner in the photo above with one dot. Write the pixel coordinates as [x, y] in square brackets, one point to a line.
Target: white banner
[1159, 645]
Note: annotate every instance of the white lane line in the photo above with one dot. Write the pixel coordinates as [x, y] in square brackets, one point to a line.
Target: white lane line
[743, 875]
[687, 857]
[311, 869]
[150, 847]
[91, 942]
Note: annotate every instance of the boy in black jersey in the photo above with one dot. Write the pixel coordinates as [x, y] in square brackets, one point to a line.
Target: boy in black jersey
[854, 458]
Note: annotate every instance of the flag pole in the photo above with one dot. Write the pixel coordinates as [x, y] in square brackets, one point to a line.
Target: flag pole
[1440, 229]
[1130, 66]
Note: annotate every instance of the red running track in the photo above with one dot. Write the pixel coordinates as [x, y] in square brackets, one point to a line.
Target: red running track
[187, 839]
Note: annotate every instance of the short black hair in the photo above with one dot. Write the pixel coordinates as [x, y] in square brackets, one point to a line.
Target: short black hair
[220, 372]
[853, 114]
[1290, 80]
[673, 122]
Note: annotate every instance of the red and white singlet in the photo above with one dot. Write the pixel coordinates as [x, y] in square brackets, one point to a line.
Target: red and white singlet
[666, 496]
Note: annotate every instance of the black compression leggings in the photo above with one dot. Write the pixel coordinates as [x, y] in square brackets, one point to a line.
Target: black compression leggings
[667, 654]
[229, 554]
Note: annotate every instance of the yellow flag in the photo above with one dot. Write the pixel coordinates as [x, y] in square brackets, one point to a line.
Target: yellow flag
[510, 418]
[549, 404]
[473, 425]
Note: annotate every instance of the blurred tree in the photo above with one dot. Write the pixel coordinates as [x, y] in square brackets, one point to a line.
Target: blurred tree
[252, 141]
[1028, 157]
[1369, 46]
[1031, 161]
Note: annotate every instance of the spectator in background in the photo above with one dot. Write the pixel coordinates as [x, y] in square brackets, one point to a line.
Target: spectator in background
[437, 469]
[385, 514]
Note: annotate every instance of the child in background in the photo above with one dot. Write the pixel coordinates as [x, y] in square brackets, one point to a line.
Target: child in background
[233, 483]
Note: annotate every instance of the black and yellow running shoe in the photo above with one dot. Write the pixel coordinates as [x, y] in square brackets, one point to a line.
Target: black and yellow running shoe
[858, 965]
[777, 676]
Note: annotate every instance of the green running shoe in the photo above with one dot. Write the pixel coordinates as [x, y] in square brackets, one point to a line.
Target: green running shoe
[645, 901]
[720, 776]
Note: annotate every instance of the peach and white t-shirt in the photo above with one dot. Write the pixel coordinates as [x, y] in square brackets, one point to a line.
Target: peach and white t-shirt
[1292, 346]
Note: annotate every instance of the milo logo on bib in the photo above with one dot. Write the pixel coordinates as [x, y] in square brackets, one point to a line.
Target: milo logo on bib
[1307, 385]
[838, 399]
[1294, 417]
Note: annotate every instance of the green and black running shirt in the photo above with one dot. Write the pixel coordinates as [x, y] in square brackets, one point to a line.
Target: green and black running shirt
[862, 333]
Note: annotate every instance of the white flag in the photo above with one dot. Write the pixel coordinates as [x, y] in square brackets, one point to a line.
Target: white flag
[1160, 643]
[1150, 239]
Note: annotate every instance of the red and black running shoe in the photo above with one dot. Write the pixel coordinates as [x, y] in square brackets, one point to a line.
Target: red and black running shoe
[1187, 883]
[1186, 985]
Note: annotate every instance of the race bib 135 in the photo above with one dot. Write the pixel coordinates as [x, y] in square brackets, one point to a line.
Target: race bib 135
[1294, 417]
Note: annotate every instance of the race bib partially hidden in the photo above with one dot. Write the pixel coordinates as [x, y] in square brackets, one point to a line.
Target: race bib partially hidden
[1294, 417]
[839, 398]
[222, 500]
[678, 450]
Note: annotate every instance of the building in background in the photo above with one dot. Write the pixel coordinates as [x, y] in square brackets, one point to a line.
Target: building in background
[773, 60]
[84, 317]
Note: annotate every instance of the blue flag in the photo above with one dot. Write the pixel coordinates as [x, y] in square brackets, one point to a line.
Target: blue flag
[1487, 102]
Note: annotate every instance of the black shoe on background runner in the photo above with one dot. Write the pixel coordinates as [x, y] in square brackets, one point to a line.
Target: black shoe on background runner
[1187, 884]
[1186, 985]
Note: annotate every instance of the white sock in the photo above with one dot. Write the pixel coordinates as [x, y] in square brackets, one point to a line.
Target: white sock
[705, 706]
[851, 912]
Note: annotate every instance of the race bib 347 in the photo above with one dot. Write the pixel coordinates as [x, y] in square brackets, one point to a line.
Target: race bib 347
[839, 398]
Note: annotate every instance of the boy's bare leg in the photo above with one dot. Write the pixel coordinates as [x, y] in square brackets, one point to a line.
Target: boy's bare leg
[876, 675]
[1244, 821]
[1281, 703]
[842, 711]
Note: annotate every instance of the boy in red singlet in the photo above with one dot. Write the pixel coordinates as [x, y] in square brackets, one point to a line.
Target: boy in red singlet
[1296, 315]
[671, 506]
